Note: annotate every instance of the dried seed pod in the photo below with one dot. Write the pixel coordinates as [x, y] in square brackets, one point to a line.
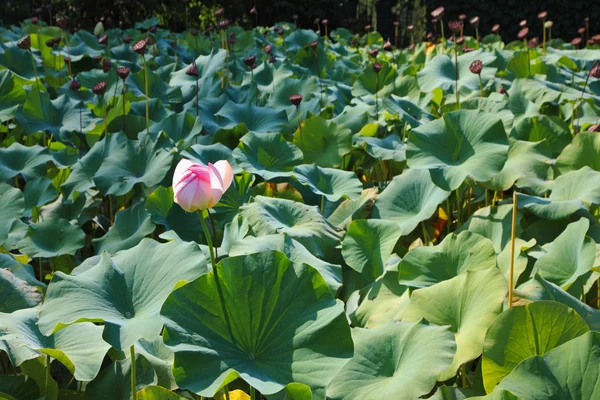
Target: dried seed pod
[474, 21]
[496, 28]
[272, 59]
[123, 72]
[523, 33]
[106, 65]
[377, 67]
[74, 85]
[533, 42]
[455, 26]
[250, 60]
[373, 53]
[438, 12]
[192, 70]
[595, 72]
[296, 99]
[100, 88]
[223, 24]
[140, 46]
[24, 43]
[476, 67]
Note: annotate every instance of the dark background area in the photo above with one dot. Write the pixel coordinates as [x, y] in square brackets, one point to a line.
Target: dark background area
[568, 16]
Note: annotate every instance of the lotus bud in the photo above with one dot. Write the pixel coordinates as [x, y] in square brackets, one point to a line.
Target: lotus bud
[462, 17]
[296, 99]
[474, 21]
[548, 24]
[396, 23]
[198, 187]
[192, 70]
[460, 40]
[410, 28]
[594, 128]
[62, 23]
[325, 21]
[100, 88]
[533, 42]
[581, 31]
[316, 21]
[455, 26]
[523, 23]
[576, 42]
[24, 43]
[123, 72]
[140, 46]
[503, 90]
[103, 39]
[377, 67]
[313, 45]
[250, 60]
[34, 20]
[368, 28]
[272, 59]
[476, 67]
[223, 24]
[438, 12]
[74, 85]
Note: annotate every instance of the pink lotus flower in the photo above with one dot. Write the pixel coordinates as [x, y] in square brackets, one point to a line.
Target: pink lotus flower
[197, 187]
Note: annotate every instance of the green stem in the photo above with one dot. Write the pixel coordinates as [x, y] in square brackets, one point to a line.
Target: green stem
[458, 207]
[214, 267]
[443, 37]
[322, 205]
[456, 73]
[133, 378]
[252, 393]
[146, 88]
[480, 86]
[37, 83]
[449, 213]
[226, 392]
[47, 374]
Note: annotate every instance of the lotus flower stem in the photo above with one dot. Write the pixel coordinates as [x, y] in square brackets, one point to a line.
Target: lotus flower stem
[443, 36]
[458, 207]
[146, 88]
[123, 93]
[512, 250]
[323, 205]
[226, 388]
[197, 111]
[376, 102]
[449, 212]
[104, 111]
[47, 375]
[456, 72]
[576, 128]
[480, 86]
[252, 393]
[544, 36]
[319, 79]
[214, 268]
[225, 62]
[37, 82]
[133, 380]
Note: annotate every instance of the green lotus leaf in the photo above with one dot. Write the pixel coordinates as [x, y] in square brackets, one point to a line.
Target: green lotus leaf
[353, 209]
[280, 98]
[236, 196]
[440, 72]
[535, 129]
[161, 358]
[382, 301]
[12, 95]
[368, 245]
[12, 205]
[569, 257]
[267, 155]
[395, 358]
[538, 289]
[211, 153]
[571, 192]
[460, 144]
[494, 223]
[288, 328]
[300, 38]
[15, 387]
[581, 152]
[181, 129]
[303, 223]
[51, 238]
[469, 303]
[19, 62]
[529, 166]
[19, 287]
[82, 173]
[456, 254]
[523, 332]
[17, 159]
[520, 258]
[369, 83]
[157, 88]
[162, 210]
[323, 142]
[135, 163]
[157, 393]
[331, 183]
[79, 347]
[388, 148]
[38, 192]
[294, 250]
[255, 119]
[61, 117]
[207, 66]
[115, 381]
[124, 291]
[130, 227]
[409, 199]
[568, 372]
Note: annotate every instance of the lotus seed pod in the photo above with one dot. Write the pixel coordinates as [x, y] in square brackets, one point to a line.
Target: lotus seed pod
[250, 60]
[296, 99]
[438, 12]
[476, 67]
[140, 47]
[455, 26]
[24, 43]
[192, 70]
[100, 88]
[377, 67]
[123, 72]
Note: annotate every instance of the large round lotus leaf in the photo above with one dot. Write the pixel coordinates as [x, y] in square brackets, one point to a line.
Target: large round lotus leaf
[494, 223]
[27, 161]
[521, 259]
[388, 148]
[294, 250]
[280, 98]
[114, 382]
[582, 151]
[529, 166]
[468, 303]
[15, 387]
[456, 254]
[571, 192]
[161, 357]
[204, 154]
[368, 245]
[207, 66]
[534, 129]
[323, 142]
[125, 291]
[331, 183]
[267, 155]
[441, 72]
[568, 372]
[570, 256]
[79, 347]
[395, 358]
[538, 289]
[255, 119]
[134, 163]
[12, 95]
[181, 129]
[303, 223]
[12, 205]
[462, 143]
[157, 393]
[409, 199]
[157, 88]
[287, 327]
[353, 209]
[381, 302]
[19, 287]
[130, 227]
[38, 192]
[82, 173]
[60, 116]
[370, 83]
[52, 237]
[523, 332]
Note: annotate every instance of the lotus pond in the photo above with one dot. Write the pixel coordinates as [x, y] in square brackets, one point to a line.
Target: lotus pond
[401, 223]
